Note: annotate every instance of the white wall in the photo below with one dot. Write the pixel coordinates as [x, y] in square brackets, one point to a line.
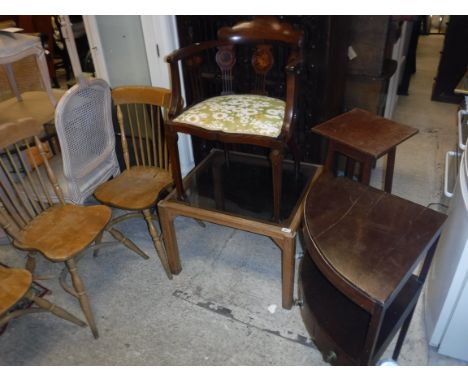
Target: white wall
[160, 33]
[124, 50]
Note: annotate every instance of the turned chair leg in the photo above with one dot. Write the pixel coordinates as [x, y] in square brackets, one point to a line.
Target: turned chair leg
[276, 157]
[54, 309]
[157, 242]
[82, 297]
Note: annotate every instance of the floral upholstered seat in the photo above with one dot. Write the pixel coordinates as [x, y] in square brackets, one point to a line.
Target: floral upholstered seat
[238, 113]
[244, 55]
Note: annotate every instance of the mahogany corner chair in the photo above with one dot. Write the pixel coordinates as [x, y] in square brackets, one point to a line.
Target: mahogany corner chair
[250, 117]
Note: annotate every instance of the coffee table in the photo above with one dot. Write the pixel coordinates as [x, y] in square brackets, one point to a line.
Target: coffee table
[235, 191]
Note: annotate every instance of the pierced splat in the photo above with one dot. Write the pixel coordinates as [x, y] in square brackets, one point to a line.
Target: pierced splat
[262, 62]
[226, 59]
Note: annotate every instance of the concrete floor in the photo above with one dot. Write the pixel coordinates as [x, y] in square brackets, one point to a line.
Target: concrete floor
[220, 309]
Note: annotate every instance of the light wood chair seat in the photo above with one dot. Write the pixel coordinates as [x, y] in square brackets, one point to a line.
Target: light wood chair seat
[134, 189]
[14, 283]
[74, 228]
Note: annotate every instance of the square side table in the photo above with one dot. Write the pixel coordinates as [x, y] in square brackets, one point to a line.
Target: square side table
[364, 137]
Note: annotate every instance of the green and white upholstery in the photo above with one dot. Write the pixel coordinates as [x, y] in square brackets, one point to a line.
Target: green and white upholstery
[237, 113]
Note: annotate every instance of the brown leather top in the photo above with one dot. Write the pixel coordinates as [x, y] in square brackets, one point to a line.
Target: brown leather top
[14, 283]
[365, 132]
[366, 237]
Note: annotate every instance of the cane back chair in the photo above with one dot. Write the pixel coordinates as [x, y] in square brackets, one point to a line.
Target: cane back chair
[250, 117]
[140, 111]
[15, 285]
[83, 121]
[60, 232]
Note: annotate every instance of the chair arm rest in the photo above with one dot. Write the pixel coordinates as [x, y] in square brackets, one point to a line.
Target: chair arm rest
[293, 69]
[295, 64]
[192, 49]
[173, 60]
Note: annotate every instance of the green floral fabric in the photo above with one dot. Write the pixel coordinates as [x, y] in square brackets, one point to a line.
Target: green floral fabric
[238, 113]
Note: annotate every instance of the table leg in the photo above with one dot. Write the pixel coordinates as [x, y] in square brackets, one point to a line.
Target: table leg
[45, 77]
[366, 168]
[350, 166]
[329, 161]
[166, 218]
[288, 260]
[12, 81]
[402, 335]
[389, 170]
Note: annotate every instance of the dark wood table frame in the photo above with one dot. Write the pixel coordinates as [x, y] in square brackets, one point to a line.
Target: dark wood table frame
[363, 137]
[365, 160]
[358, 285]
[284, 236]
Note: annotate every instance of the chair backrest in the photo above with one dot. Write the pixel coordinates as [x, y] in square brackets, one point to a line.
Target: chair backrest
[25, 191]
[141, 111]
[83, 121]
[251, 56]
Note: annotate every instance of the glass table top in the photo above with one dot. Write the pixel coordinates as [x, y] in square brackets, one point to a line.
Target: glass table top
[462, 87]
[241, 184]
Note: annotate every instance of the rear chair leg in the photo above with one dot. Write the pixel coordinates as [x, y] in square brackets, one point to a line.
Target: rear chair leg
[276, 157]
[97, 242]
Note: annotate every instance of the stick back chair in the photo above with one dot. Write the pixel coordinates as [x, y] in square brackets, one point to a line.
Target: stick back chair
[250, 117]
[60, 232]
[140, 111]
[15, 285]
